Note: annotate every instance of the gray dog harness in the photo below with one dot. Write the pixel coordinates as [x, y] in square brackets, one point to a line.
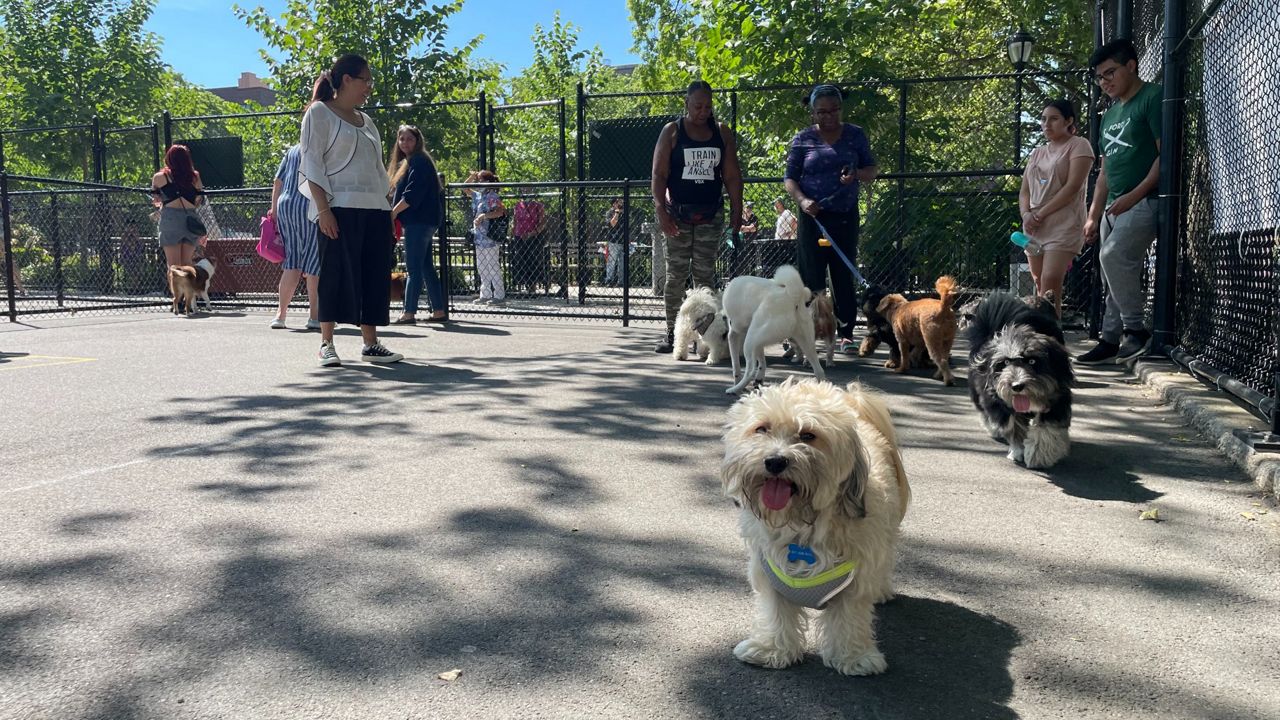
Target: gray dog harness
[811, 592]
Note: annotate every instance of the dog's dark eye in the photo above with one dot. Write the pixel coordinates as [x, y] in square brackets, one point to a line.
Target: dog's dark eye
[762, 429]
[1031, 362]
[998, 367]
[807, 437]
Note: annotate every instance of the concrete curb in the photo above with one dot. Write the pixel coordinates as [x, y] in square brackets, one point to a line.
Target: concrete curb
[1214, 415]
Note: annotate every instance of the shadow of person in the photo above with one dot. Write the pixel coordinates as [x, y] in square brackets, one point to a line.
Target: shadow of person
[945, 661]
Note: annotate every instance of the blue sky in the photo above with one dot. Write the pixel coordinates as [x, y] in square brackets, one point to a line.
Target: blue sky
[205, 41]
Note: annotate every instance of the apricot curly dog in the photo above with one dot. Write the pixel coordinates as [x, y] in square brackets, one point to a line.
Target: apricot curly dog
[926, 323]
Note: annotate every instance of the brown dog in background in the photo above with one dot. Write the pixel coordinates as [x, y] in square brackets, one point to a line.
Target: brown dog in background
[189, 283]
[397, 286]
[824, 328]
[926, 323]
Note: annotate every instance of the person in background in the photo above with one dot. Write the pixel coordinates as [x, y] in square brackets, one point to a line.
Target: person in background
[486, 206]
[1052, 198]
[1123, 213]
[695, 163]
[613, 232]
[417, 205]
[177, 191]
[301, 248]
[343, 175]
[785, 227]
[825, 164]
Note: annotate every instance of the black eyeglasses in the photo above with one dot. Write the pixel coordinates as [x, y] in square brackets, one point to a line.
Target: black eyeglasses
[1105, 75]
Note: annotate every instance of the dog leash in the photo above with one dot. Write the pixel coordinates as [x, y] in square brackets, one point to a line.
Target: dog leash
[857, 276]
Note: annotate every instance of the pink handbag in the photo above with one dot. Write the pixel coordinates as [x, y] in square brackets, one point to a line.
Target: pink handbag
[270, 246]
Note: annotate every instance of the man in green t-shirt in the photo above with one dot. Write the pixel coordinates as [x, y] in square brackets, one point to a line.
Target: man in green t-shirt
[1123, 212]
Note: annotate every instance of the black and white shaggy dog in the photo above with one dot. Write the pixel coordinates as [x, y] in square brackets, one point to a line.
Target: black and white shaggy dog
[1020, 378]
[879, 329]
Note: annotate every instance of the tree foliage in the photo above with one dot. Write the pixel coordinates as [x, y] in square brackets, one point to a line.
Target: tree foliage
[65, 62]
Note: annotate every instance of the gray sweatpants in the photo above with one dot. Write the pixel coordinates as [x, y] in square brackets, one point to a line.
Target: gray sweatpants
[1125, 241]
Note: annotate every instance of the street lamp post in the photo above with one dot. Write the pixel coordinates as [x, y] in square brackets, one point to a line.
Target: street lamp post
[1019, 47]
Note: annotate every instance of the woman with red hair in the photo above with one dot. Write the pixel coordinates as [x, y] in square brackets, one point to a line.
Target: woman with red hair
[176, 190]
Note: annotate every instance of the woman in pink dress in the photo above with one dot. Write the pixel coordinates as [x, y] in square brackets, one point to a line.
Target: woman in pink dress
[1052, 197]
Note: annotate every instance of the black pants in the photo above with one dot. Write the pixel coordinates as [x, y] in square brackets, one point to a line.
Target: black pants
[355, 268]
[813, 262]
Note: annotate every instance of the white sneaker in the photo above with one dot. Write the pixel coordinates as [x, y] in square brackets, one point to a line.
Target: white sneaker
[278, 324]
[329, 355]
[376, 353]
[313, 324]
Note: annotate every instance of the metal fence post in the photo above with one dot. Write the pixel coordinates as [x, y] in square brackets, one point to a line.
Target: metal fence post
[564, 202]
[1124, 19]
[481, 106]
[155, 146]
[59, 277]
[446, 264]
[168, 133]
[901, 226]
[491, 131]
[1171, 141]
[97, 152]
[626, 252]
[10, 263]
[581, 195]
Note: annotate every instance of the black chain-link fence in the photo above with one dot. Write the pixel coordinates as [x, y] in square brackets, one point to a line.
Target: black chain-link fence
[1229, 299]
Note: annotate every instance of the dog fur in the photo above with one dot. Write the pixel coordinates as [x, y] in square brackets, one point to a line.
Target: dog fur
[824, 328]
[188, 284]
[398, 280]
[879, 329]
[701, 323]
[1020, 378]
[836, 451]
[929, 323]
[762, 313]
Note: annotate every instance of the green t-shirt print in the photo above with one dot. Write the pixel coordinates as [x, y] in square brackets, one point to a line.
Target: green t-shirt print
[1130, 131]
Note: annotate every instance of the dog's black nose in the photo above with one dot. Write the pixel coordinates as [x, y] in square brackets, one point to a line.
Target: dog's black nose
[775, 464]
[1017, 387]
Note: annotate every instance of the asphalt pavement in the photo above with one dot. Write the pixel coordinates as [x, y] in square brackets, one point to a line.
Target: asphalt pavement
[196, 521]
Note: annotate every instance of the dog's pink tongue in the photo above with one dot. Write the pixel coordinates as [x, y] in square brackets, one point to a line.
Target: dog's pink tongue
[776, 493]
[1021, 403]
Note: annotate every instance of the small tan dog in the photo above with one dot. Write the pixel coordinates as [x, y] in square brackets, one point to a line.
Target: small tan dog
[926, 323]
[819, 479]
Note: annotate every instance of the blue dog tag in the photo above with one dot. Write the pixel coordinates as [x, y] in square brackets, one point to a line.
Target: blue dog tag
[801, 552]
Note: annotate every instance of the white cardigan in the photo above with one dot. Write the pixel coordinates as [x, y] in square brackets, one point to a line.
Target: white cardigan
[344, 160]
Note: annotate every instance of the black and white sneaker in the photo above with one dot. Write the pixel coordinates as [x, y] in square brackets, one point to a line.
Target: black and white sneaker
[1103, 352]
[329, 355]
[1135, 343]
[376, 353]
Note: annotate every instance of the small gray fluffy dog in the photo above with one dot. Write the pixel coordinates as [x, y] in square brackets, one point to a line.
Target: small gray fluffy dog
[701, 324]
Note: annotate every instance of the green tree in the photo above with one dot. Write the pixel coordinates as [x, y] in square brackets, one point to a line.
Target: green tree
[405, 45]
[66, 61]
[527, 140]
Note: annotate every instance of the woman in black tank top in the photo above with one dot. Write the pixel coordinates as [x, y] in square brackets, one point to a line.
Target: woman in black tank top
[695, 163]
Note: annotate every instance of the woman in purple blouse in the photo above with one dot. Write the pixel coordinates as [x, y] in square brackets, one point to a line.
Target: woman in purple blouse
[825, 163]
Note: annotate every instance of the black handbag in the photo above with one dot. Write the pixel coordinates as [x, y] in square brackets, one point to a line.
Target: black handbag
[694, 214]
[195, 225]
[498, 228]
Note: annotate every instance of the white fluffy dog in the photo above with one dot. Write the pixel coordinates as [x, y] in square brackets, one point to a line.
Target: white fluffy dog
[817, 474]
[762, 313]
[701, 323]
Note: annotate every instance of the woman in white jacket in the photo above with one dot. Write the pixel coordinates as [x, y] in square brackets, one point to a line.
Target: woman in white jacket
[343, 175]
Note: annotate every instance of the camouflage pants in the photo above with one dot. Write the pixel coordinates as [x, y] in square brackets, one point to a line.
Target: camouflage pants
[693, 251]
